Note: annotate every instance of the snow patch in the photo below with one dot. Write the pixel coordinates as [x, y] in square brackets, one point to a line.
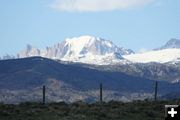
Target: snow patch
[160, 56]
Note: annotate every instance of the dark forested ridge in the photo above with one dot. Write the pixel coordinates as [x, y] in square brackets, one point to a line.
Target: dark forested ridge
[25, 77]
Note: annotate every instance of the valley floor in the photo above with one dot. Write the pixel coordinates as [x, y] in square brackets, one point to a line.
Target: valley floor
[137, 110]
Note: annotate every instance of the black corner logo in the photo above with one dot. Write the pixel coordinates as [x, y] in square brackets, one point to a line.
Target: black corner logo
[172, 112]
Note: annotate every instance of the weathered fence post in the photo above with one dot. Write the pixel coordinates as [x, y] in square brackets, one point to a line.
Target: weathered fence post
[156, 88]
[44, 94]
[101, 92]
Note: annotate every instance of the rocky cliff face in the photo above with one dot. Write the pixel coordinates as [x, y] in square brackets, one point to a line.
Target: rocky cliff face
[81, 49]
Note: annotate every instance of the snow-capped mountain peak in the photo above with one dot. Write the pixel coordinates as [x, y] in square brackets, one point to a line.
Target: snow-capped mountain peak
[95, 50]
[89, 45]
[90, 49]
[168, 53]
[172, 43]
[78, 45]
[87, 49]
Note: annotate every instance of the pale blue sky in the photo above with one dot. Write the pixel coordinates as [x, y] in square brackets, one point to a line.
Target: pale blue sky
[41, 23]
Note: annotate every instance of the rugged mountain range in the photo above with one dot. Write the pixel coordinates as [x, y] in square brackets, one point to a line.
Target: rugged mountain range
[73, 69]
[86, 49]
[158, 64]
[94, 50]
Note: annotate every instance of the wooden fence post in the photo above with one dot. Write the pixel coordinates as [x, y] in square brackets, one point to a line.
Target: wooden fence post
[155, 92]
[44, 94]
[101, 92]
